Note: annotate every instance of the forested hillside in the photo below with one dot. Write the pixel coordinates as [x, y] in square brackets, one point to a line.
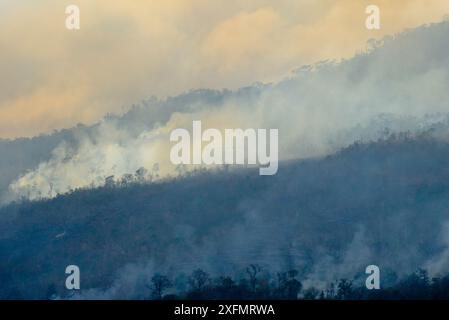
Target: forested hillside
[383, 203]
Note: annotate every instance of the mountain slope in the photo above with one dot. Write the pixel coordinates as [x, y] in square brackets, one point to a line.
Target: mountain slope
[384, 203]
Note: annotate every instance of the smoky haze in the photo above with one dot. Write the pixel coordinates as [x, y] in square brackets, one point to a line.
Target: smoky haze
[363, 180]
[398, 84]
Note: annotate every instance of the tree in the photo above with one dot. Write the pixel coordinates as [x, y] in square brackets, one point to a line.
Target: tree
[226, 282]
[127, 179]
[198, 280]
[141, 174]
[226, 287]
[311, 293]
[288, 286]
[322, 296]
[330, 292]
[51, 292]
[253, 270]
[344, 289]
[294, 286]
[416, 286]
[159, 284]
[109, 181]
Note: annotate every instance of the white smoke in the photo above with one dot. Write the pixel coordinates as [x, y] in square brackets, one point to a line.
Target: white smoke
[439, 265]
[318, 110]
[113, 152]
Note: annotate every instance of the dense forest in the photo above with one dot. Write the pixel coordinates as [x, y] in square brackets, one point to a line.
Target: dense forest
[384, 203]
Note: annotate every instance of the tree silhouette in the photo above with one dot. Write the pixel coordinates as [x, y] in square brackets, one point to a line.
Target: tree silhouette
[158, 284]
[198, 280]
[311, 293]
[253, 270]
[293, 285]
[288, 286]
[344, 289]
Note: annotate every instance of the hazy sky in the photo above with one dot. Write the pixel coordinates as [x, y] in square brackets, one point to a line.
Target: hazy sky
[126, 51]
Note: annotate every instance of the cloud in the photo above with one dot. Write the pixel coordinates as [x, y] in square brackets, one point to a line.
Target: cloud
[54, 78]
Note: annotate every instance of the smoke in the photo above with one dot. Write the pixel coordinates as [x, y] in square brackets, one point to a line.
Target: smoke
[398, 85]
[111, 152]
[132, 283]
[440, 263]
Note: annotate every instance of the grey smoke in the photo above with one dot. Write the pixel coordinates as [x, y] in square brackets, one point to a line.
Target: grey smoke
[400, 85]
